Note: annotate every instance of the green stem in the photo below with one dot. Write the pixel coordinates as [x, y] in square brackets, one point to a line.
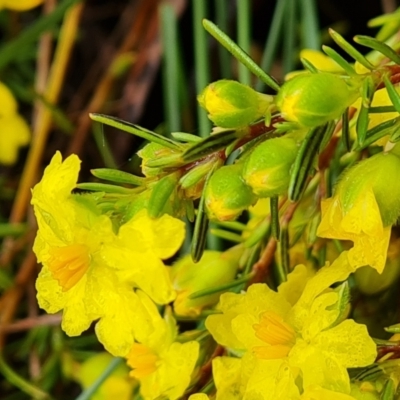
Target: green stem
[202, 64]
[221, 11]
[170, 71]
[12, 377]
[243, 27]
[311, 37]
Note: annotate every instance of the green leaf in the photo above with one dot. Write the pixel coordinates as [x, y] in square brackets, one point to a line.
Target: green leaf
[221, 288]
[346, 130]
[379, 46]
[195, 175]
[339, 60]
[389, 390]
[392, 92]
[223, 234]
[115, 175]
[305, 158]
[209, 145]
[104, 187]
[275, 228]
[239, 54]
[160, 194]
[349, 49]
[135, 130]
[185, 137]
[201, 224]
[368, 91]
[390, 127]
[309, 66]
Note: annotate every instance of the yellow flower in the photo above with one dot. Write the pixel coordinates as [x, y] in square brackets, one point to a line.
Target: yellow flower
[20, 5]
[365, 205]
[299, 327]
[162, 365]
[14, 130]
[83, 272]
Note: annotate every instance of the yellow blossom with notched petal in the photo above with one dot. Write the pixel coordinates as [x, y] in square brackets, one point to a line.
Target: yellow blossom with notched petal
[14, 131]
[162, 365]
[363, 208]
[20, 5]
[81, 274]
[276, 329]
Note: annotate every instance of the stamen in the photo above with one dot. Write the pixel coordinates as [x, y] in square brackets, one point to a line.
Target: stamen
[69, 264]
[143, 361]
[276, 333]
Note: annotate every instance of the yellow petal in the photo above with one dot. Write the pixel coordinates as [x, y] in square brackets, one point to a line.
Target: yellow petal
[122, 313]
[320, 60]
[370, 250]
[14, 133]
[164, 235]
[318, 368]
[349, 343]
[319, 393]
[20, 5]
[174, 372]
[140, 269]
[338, 271]
[258, 298]
[292, 289]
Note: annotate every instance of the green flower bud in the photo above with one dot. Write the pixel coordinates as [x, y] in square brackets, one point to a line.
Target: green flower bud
[231, 104]
[267, 169]
[226, 194]
[154, 151]
[379, 173]
[214, 269]
[313, 99]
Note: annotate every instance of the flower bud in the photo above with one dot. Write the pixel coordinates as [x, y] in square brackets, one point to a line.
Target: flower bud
[267, 169]
[151, 152]
[226, 194]
[231, 104]
[379, 173]
[214, 269]
[314, 99]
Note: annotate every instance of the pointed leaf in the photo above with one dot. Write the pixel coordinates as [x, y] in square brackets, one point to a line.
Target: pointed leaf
[349, 49]
[135, 130]
[239, 54]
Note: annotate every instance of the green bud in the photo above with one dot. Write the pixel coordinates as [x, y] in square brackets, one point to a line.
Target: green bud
[314, 99]
[226, 194]
[154, 151]
[379, 173]
[231, 104]
[214, 269]
[267, 169]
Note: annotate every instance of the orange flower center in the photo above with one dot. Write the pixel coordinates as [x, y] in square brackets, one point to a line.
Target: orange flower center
[143, 361]
[273, 331]
[69, 264]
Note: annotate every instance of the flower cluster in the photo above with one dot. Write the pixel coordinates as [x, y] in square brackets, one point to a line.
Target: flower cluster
[314, 181]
